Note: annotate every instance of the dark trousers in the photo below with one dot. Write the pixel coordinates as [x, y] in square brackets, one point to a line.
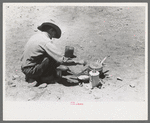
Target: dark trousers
[46, 68]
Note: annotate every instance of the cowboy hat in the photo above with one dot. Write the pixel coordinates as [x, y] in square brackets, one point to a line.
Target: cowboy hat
[45, 26]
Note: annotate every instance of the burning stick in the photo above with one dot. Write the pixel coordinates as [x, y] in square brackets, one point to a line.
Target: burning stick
[104, 59]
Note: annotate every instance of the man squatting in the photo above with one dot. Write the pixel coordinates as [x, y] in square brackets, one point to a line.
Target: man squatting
[41, 57]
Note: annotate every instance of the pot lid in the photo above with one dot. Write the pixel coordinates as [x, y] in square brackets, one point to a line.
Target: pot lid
[95, 65]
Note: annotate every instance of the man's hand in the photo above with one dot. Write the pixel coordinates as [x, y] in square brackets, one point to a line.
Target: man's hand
[82, 62]
[65, 59]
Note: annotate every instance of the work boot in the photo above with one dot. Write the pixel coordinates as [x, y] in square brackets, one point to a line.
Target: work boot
[47, 79]
[29, 80]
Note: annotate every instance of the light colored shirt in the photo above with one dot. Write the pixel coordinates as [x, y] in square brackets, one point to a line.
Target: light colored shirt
[39, 46]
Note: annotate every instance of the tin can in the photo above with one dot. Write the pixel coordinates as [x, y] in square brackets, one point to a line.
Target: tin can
[94, 78]
[69, 51]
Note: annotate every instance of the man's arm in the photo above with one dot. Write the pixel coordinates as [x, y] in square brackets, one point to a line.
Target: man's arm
[53, 52]
[68, 61]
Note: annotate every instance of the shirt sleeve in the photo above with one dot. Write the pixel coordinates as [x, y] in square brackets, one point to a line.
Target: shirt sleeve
[53, 52]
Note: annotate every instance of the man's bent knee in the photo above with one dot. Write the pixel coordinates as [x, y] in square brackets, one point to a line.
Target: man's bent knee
[62, 68]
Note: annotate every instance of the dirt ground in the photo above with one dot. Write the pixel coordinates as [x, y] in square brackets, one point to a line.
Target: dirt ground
[94, 32]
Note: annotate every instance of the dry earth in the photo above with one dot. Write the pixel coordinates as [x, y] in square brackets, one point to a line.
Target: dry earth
[94, 32]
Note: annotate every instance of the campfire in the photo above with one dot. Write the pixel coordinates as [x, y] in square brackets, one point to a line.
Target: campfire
[92, 75]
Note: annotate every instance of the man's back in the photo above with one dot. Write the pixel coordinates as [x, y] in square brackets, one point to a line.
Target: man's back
[34, 50]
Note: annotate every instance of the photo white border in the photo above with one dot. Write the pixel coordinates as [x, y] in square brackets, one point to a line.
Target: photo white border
[88, 111]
